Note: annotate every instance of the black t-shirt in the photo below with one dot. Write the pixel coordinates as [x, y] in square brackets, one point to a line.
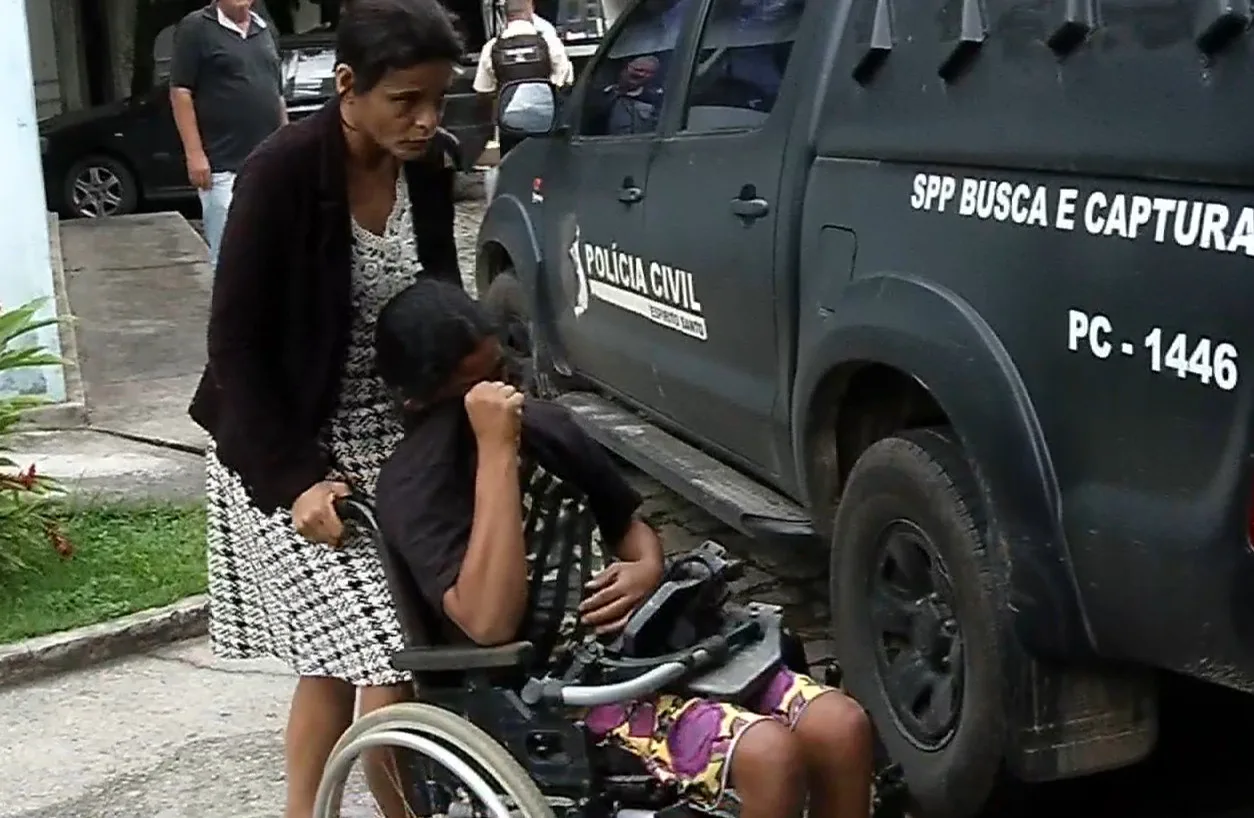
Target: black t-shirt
[573, 499]
[236, 84]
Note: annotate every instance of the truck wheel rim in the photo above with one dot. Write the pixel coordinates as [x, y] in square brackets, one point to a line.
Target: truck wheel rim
[918, 643]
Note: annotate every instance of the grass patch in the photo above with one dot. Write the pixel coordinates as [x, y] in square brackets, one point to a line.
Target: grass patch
[126, 559]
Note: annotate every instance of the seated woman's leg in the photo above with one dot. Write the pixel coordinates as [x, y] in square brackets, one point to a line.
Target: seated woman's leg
[705, 747]
[768, 771]
[835, 739]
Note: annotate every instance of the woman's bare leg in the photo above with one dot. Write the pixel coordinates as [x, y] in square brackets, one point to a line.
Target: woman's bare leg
[768, 772]
[838, 747]
[322, 709]
[380, 765]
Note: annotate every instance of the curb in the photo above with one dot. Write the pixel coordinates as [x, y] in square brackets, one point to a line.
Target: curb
[78, 648]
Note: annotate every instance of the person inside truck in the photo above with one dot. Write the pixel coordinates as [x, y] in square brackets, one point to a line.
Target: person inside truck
[626, 96]
[488, 487]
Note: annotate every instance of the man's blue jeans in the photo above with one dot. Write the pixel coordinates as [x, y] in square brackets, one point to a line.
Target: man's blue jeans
[214, 204]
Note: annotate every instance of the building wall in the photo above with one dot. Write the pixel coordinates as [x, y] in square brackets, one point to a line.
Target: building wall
[56, 56]
[43, 50]
[26, 271]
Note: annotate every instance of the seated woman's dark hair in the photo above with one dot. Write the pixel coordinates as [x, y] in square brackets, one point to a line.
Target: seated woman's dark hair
[374, 37]
[422, 335]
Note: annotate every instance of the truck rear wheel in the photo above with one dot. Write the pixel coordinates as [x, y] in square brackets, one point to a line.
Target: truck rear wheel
[915, 603]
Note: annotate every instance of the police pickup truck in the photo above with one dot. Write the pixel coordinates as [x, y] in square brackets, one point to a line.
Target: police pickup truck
[960, 292]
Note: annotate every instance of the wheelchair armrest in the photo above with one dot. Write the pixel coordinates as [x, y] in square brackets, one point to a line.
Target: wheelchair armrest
[462, 657]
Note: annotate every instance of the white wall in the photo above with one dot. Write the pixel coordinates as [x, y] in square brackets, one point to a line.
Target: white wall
[25, 260]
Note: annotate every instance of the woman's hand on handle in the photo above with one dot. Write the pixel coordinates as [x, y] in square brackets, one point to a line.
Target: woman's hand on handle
[313, 513]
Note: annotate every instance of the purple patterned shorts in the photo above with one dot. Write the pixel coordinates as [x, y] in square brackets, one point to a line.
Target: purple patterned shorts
[690, 741]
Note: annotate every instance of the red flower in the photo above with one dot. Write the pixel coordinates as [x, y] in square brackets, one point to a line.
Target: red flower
[60, 543]
[28, 477]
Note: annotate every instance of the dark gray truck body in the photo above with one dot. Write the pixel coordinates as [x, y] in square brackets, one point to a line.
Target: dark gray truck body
[1050, 253]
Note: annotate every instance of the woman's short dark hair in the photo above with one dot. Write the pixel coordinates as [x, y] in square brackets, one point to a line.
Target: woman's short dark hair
[374, 37]
[423, 333]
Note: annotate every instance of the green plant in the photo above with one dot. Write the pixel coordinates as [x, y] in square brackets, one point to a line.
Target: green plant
[26, 517]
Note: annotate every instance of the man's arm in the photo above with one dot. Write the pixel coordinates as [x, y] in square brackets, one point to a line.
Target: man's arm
[184, 75]
[562, 71]
[485, 82]
[185, 120]
[485, 76]
[283, 120]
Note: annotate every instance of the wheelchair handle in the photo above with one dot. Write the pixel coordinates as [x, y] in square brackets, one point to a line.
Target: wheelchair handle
[356, 510]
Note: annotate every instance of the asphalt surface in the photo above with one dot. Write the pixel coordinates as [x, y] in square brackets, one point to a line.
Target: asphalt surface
[177, 733]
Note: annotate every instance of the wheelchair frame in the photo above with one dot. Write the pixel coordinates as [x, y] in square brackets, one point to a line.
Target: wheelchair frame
[538, 754]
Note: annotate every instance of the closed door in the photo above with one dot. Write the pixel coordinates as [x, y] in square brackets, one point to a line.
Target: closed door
[714, 220]
[595, 195]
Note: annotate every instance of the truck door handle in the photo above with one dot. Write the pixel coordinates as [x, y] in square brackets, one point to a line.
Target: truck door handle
[630, 194]
[750, 208]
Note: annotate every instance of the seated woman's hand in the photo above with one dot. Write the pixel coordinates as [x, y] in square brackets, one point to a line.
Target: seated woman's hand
[313, 513]
[617, 591]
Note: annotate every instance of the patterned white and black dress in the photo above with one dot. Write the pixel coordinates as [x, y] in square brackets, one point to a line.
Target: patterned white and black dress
[323, 611]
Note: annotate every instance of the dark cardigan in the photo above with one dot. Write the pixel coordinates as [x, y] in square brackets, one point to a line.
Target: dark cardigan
[281, 308]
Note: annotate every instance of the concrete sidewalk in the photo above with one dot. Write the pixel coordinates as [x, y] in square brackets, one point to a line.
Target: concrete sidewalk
[139, 288]
[170, 734]
[136, 289]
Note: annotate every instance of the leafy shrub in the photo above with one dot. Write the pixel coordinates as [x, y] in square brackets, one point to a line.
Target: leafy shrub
[26, 513]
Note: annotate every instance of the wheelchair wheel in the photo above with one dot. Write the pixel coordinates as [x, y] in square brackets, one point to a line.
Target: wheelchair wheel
[489, 781]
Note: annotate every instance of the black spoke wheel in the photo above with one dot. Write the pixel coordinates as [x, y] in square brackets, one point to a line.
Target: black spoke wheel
[916, 609]
[919, 643]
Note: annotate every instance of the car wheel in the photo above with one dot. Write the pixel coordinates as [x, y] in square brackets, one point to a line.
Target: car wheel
[915, 601]
[100, 186]
[506, 305]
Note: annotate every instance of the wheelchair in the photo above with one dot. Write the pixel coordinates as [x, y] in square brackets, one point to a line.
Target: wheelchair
[492, 735]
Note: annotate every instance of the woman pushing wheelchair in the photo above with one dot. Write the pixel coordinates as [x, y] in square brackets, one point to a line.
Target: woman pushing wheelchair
[503, 510]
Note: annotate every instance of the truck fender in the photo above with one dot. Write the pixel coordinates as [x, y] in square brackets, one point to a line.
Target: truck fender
[931, 334]
[509, 227]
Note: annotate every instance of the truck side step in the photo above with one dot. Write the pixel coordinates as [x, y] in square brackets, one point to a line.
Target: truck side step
[727, 494]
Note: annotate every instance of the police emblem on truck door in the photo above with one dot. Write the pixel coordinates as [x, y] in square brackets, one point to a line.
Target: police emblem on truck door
[581, 278]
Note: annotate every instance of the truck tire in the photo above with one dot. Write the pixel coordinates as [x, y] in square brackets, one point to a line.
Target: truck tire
[916, 605]
[506, 304]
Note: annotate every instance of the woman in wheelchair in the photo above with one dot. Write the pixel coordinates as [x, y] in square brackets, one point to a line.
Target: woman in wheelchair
[500, 506]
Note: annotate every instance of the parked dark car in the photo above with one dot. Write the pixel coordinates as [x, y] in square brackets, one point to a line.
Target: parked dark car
[105, 161]
[953, 298]
[109, 159]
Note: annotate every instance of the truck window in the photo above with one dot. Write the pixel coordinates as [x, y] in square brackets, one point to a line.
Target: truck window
[627, 86]
[743, 54]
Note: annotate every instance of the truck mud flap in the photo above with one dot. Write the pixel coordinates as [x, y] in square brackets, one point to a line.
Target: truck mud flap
[728, 495]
